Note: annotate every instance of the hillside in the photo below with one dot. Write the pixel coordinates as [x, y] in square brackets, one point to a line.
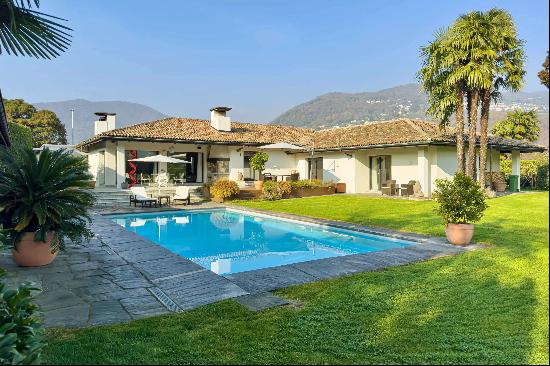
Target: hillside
[127, 114]
[340, 109]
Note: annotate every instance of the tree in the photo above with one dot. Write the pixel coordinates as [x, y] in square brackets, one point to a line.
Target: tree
[45, 126]
[543, 74]
[445, 88]
[28, 32]
[520, 125]
[493, 60]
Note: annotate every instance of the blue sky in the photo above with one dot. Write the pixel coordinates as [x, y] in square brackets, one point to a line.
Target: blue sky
[260, 57]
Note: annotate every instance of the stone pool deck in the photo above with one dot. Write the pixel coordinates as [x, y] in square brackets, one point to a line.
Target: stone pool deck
[119, 276]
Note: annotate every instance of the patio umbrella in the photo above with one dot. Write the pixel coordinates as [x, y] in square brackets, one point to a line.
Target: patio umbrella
[161, 159]
[281, 146]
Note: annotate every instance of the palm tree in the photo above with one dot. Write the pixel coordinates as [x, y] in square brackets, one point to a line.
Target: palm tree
[440, 79]
[494, 60]
[27, 32]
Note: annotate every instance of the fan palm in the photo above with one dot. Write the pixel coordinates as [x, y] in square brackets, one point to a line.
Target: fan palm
[27, 32]
[494, 60]
[44, 194]
[445, 90]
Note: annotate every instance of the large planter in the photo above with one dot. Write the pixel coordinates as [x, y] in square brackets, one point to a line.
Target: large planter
[500, 186]
[459, 234]
[258, 184]
[31, 253]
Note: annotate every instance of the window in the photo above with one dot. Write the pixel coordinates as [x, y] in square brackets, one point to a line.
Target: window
[192, 172]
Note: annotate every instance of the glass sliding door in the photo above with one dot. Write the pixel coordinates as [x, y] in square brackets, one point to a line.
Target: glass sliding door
[380, 171]
[188, 173]
[315, 168]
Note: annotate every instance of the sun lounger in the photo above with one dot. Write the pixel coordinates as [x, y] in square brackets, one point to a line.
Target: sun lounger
[140, 195]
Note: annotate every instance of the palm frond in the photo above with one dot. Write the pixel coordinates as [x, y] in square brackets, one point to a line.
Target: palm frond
[28, 32]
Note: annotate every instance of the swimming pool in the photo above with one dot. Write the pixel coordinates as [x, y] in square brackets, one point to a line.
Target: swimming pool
[228, 241]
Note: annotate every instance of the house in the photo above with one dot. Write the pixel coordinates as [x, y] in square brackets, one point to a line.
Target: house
[364, 156]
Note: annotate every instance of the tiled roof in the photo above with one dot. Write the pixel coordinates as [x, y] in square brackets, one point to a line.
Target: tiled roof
[394, 132]
[200, 130]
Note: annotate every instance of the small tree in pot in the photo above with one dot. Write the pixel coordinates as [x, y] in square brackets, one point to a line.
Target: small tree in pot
[257, 162]
[461, 202]
[43, 200]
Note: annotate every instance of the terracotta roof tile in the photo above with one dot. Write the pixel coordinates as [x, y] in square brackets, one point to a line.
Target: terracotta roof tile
[393, 132]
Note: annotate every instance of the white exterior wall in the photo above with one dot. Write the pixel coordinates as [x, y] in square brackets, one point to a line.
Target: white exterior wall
[425, 164]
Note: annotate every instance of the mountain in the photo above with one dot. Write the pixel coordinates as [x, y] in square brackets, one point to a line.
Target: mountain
[126, 114]
[342, 109]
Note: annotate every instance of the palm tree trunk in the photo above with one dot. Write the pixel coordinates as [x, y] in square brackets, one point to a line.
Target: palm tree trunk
[473, 99]
[459, 116]
[485, 104]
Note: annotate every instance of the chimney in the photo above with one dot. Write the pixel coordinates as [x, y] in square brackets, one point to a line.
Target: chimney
[219, 120]
[105, 122]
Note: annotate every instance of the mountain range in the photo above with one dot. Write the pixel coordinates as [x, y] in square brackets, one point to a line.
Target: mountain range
[126, 114]
[342, 109]
[328, 110]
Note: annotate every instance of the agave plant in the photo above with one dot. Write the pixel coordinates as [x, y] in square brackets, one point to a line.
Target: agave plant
[44, 194]
[25, 31]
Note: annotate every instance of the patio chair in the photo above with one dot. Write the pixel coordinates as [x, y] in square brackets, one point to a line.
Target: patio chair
[140, 195]
[144, 178]
[268, 176]
[180, 179]
[182, 194]
[390, 189]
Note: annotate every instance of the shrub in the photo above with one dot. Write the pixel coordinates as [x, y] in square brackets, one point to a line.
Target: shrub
[271, 191]
[306, 183]
[285, 188]
[258, 161]
[20, 138]
[43, 194]
[20, 330]
[224, 189]
[460, 200]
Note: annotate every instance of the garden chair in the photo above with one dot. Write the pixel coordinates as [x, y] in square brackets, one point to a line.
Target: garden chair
[390, 189]
[182, 194]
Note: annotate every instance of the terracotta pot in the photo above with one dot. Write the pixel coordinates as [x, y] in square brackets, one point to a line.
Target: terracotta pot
[500, 186]
[258, 184]
[459, 234]
[32, 253]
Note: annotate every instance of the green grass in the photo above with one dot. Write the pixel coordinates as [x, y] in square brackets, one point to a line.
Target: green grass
[486, 306]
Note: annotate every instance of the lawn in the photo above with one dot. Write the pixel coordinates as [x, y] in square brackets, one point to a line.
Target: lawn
[487, 306]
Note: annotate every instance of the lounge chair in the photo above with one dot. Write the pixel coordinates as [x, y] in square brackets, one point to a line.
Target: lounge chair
[182, 194]
[140, 195]
[390, 188]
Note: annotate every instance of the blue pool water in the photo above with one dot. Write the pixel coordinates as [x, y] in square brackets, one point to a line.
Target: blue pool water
[226, 241]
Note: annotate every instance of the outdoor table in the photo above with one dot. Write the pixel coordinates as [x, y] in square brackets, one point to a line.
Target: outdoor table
[165, 197]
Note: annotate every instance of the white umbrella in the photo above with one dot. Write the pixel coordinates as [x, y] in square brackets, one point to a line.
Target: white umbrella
[161, 159]
[281, 146]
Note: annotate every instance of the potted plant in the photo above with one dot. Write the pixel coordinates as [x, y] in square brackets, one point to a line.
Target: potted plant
[257, 162]
[126, 183]
[499, 182]
[43, 201]
[461, 202]
[223, 189]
